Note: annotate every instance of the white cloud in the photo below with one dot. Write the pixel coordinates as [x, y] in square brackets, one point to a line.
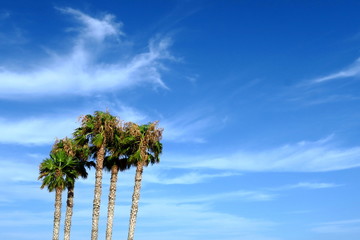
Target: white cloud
[187, 128]
[43, 130]
[119, 109]
[307, 185]
[4, 14]
[129, 114]
[36, 130]
[190, 220]
[97, 29]
[351, 71]
[188, 178]
[193, 220]
[17, 218]
[331, 98]
[304, 156]
[82, 71]
[25, 171]
[345, 226]
[242, 195]
[13, 35]
[190, 215]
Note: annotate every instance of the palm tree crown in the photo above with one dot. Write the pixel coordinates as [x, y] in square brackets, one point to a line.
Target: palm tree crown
[98, 132]
[144, 143]
[56, 173]
[145, 148]
[97, 129]
[79, 155]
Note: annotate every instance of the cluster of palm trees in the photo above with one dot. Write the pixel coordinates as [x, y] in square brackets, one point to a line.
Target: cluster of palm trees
[114, 146]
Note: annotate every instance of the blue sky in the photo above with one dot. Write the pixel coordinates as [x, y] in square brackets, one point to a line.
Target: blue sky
[258, 101]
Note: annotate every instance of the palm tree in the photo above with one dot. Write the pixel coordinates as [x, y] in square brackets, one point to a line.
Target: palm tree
[97, 131]
[113, 164]
[146, 148]
[79, 155]
[54, 173]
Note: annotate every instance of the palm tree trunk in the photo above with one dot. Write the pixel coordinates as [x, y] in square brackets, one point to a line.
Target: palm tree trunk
[111, 205]
[97, 192]
[69, 212]
[57, 213]
[135, 201]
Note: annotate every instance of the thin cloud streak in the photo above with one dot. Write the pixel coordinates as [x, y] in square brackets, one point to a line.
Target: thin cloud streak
[351, 71]
[38, 131]
[42, 130]
[97, 29]
[4, 14]
[188, 178]
[81, 71]
[318, 156]
[300, 157]
[196, 220]
[344, 226]
[306, 185]
[187, 128]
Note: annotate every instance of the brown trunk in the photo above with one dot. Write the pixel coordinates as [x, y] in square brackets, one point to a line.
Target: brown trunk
[57, 213]
[69, 212]
[97, 192]
[111, 204]
[135, 201]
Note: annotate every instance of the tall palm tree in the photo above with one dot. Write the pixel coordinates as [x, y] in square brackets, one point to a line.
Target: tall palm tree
[97, 131]
[113, 164]
[79, 155]
[145, 148]
[54, 173]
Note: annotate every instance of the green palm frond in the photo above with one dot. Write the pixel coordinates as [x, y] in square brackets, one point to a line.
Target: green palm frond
[99, 129]
[61, 169]
[98, 140]
[143, 143]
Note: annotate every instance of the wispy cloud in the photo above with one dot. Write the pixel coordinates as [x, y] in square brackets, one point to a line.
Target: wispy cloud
[187, 178]
[36, 130]
[305, 156]
[45, 129]
[4, 14]
[240, 195]
[330, 99]
[345, 226]
[180, 219]
[307, 185]
[191, 215]
[120, 109]
[97, 29]
[187, 128]
[14, 34]
[25, 171]
[196, 219]
[18, 218]
[350, 71]
[83, 70]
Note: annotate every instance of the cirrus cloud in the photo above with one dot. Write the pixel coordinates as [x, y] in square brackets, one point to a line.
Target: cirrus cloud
[351, 71]
[305, 156]
[83, 71]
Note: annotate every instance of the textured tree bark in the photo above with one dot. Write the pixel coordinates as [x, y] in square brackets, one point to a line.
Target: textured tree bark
[57, 214]
[97, 193]
[111, 204]
[69, 212]
[135, 201]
